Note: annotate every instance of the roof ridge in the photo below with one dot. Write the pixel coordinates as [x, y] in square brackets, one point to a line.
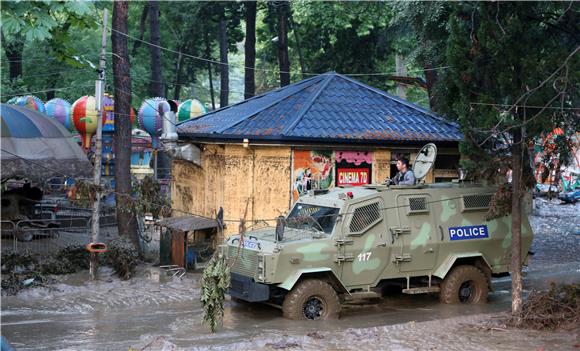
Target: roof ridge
[250, 99]
[395, 98]
[307, 107]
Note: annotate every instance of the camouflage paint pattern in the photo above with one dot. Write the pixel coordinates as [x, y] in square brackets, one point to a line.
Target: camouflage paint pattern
[399, 244]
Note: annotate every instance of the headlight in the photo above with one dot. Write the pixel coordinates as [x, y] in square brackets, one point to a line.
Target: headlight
[261, 268]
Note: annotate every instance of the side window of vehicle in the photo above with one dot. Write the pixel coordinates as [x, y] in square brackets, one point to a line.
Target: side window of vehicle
[365, 217]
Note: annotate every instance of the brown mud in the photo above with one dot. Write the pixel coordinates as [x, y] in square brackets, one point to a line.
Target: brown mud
[154, 311]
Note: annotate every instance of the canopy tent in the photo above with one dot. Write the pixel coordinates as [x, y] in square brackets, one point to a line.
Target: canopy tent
[38, 148]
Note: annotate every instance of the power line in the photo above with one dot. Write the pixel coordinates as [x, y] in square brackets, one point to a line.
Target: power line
[47, 90]
[262, 69]
[54, 73]
[525, 106]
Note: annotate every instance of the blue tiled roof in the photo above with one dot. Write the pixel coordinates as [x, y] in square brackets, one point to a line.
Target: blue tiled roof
[329, 107]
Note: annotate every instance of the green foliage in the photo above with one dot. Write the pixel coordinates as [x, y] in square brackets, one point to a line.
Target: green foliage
[215, 282]
[500, 54]
[122, 256]
[149, 199]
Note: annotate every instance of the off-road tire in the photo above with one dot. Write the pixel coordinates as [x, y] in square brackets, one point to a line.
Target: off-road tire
[464, 284]
[25, 234]
[311, 293]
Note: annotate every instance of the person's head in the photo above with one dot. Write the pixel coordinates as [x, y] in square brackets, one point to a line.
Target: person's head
[402, 164]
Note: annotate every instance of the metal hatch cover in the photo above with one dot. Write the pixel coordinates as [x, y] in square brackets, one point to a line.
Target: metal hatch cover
[424, 161]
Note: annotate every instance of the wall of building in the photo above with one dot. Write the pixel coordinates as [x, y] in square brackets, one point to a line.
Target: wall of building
[254, 182]
[251, 182]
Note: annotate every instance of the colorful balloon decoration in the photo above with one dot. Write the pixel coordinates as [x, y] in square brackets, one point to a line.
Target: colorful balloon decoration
[60, 110]
[190, 109]
[84, 112]
[151, 117]
[30, 101]
[13, 100]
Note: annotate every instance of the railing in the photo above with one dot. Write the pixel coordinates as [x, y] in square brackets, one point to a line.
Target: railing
[46, 236]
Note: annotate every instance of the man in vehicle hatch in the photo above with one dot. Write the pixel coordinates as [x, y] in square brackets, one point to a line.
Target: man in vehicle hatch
[405, 175]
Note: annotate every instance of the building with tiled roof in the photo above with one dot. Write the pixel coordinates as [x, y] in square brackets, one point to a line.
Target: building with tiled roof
[258, 155]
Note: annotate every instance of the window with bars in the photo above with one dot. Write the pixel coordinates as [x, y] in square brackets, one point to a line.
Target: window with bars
[417, 205]
[476, 202]
[364, 217]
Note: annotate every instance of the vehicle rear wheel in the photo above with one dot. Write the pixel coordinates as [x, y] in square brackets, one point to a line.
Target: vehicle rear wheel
[464, 284]
[25, 234]
[311, 299]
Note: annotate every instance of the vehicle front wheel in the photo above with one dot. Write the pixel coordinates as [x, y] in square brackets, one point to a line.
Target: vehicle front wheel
[311, 299]
[464, 284]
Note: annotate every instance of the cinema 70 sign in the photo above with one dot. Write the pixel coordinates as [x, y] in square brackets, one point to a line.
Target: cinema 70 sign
[353, 176]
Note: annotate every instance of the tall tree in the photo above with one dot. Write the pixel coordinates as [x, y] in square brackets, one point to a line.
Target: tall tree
[431, 33]
[513, 69]
[250, 50]
[282, 9]
[157, 88]
[224, 67]
[44, 24]
[14, 49]
[209, 68]
[346, 37]
[122, 83]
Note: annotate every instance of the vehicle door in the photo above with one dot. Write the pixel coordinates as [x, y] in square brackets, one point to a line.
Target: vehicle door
[364, 252]
[416, 243]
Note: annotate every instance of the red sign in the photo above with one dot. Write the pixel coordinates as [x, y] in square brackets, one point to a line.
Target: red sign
[352, 176]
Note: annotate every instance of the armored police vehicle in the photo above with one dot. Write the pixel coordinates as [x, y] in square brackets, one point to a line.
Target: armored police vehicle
[349, 242]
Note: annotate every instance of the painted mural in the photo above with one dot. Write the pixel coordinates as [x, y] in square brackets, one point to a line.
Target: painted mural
[312, 170]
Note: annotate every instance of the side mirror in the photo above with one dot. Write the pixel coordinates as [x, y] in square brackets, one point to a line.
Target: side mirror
[279, 228]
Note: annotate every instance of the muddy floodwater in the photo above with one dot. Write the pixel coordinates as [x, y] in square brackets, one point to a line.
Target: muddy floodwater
[157, 312]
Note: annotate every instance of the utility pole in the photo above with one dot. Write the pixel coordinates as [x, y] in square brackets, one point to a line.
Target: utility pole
[99, 95]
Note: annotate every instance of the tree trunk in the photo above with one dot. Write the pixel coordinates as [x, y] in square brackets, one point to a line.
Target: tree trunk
[298, 46]
[178, 74]
[401, 72]
[209, 69]
[14, 50]
[250, 50]
[431, 80]
[137, 43]
[283, 58]
[156, 80]
[126, 221]
[516, 264]
[224, 72]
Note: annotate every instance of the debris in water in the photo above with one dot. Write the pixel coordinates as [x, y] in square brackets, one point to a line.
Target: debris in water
[283, 344]
[557, 308]
[27, 281]
[315, 335]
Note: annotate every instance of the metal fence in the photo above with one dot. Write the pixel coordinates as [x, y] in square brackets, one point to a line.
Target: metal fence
[46, 236]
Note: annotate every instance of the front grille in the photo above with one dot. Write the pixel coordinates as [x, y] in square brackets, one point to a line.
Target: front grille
[244, 261]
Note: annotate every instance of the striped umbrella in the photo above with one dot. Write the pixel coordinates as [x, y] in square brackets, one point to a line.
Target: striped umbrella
[37, 147]
[60, 110]
[190, 109]
[30, 101]
[84, 114]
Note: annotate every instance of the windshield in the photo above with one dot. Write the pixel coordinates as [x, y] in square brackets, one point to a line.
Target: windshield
[304, 216]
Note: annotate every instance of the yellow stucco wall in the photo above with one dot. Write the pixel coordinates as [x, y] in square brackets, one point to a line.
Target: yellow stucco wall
[381, 165]
[235, 178]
